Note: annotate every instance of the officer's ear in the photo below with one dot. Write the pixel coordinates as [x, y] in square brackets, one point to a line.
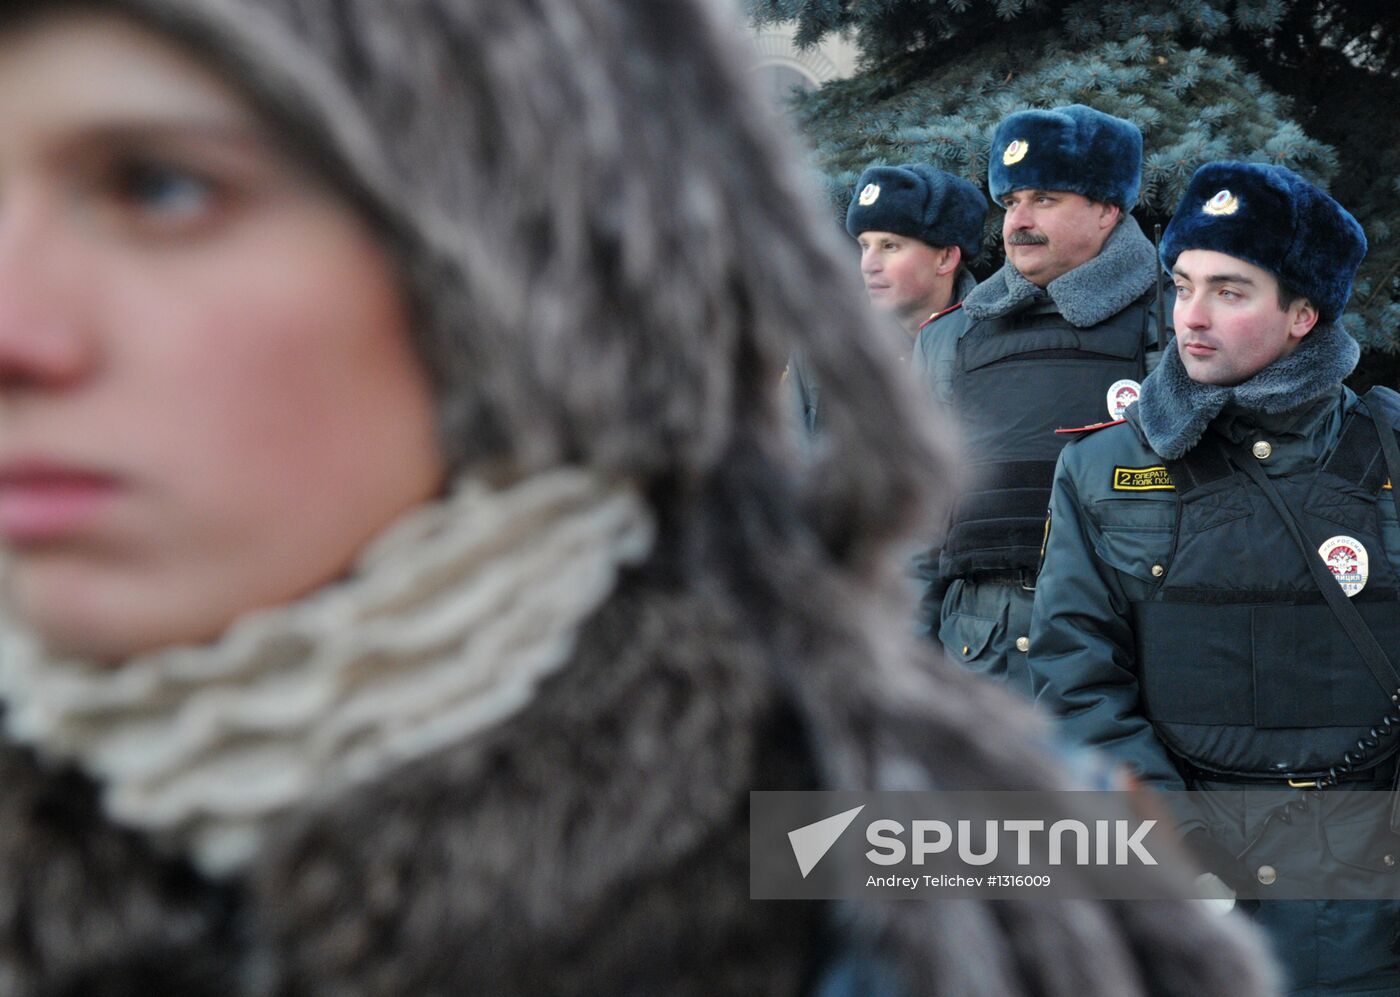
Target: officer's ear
[1302, 316]
[952, 256]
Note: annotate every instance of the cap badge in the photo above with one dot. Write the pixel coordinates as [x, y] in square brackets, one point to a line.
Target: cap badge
[869, 195]
[1121, 394]
[1348, 561]
[1015, 152]
[1223, 203]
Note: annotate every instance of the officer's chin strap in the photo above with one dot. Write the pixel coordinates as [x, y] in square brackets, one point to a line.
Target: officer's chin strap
[1356, 629]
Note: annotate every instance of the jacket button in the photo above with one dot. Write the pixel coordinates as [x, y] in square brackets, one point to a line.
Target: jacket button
[1267, 874]
[966, 649]
[1389, 860]
[1262, 449]
[1158, 571]
[1023, 644]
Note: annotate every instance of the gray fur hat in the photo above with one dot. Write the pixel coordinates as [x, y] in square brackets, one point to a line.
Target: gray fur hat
[623, 322]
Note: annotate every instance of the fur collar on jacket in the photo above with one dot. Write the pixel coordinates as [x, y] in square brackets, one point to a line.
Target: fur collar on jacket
[593, 843]
[1093, 291]
[1174, 411]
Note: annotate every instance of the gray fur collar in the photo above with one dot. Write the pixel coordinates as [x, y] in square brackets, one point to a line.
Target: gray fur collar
[1174, 410]
[1088, 294]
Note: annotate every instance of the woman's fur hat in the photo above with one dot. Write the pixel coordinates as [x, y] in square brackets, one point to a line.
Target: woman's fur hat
[596, 283]
[1270, 216]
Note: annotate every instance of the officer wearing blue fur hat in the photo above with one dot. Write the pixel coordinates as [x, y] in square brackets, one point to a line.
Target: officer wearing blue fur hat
[1061, 335]
[1217, 601]
[917, 227]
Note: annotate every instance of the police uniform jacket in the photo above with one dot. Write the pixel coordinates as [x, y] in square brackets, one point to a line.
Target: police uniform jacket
[1015, 363]
[1177, 627]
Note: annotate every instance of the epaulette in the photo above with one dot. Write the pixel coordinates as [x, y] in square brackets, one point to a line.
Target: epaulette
[1093, 428]
[938, 315]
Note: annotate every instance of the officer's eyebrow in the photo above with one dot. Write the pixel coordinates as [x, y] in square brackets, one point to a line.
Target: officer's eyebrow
[1217, 278]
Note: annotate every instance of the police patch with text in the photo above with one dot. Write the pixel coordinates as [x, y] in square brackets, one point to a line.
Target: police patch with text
[1142, 479]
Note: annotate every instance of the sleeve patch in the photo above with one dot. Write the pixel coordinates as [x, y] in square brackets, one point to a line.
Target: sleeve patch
[1142, 479]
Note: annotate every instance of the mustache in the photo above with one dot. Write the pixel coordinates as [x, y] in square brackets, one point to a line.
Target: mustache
[1027, 239]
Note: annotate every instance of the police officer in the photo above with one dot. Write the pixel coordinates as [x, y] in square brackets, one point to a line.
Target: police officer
[917, 227]
[1189, 618]
[1059, 336]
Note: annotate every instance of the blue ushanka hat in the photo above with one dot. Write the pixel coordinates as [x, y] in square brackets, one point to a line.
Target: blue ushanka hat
[1074, 148]
[921, 202]
[1273, 218]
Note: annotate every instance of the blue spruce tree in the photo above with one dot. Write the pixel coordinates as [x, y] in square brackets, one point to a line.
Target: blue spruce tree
[1308, 84]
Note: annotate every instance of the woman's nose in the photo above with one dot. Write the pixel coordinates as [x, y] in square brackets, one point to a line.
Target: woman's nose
[41, 341]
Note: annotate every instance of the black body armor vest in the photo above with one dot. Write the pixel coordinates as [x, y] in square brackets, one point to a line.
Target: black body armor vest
[1017, 379]
[1245, 671]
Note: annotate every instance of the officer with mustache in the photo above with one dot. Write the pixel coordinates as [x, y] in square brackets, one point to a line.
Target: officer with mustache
[1060, 336]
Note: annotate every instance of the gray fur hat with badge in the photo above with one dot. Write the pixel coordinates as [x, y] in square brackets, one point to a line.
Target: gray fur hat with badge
[1270, 216]
[920, 202]
[1074, 148]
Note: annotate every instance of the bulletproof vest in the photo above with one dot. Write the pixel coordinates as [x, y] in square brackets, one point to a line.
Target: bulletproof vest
[1244, 669]
[1016, 380]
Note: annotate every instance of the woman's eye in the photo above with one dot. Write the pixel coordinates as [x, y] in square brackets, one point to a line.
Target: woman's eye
[160, 196]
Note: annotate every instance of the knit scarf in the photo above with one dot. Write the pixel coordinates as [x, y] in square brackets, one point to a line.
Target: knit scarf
[444, 627]
[1174, 410]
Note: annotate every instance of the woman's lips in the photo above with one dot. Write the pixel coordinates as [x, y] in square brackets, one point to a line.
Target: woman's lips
[42, 502]
[1199, 349]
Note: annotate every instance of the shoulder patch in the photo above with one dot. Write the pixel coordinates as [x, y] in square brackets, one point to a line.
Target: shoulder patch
[1142, 479]
[1092, 427]
[938, 315]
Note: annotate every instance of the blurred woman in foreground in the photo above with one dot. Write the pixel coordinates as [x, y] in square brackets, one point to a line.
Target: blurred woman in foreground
[406, 577]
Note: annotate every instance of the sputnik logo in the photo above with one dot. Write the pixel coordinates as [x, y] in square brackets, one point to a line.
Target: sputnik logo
[811, 842]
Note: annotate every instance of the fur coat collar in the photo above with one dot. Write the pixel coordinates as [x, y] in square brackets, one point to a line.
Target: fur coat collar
[1122, 272]
[1174, 410]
